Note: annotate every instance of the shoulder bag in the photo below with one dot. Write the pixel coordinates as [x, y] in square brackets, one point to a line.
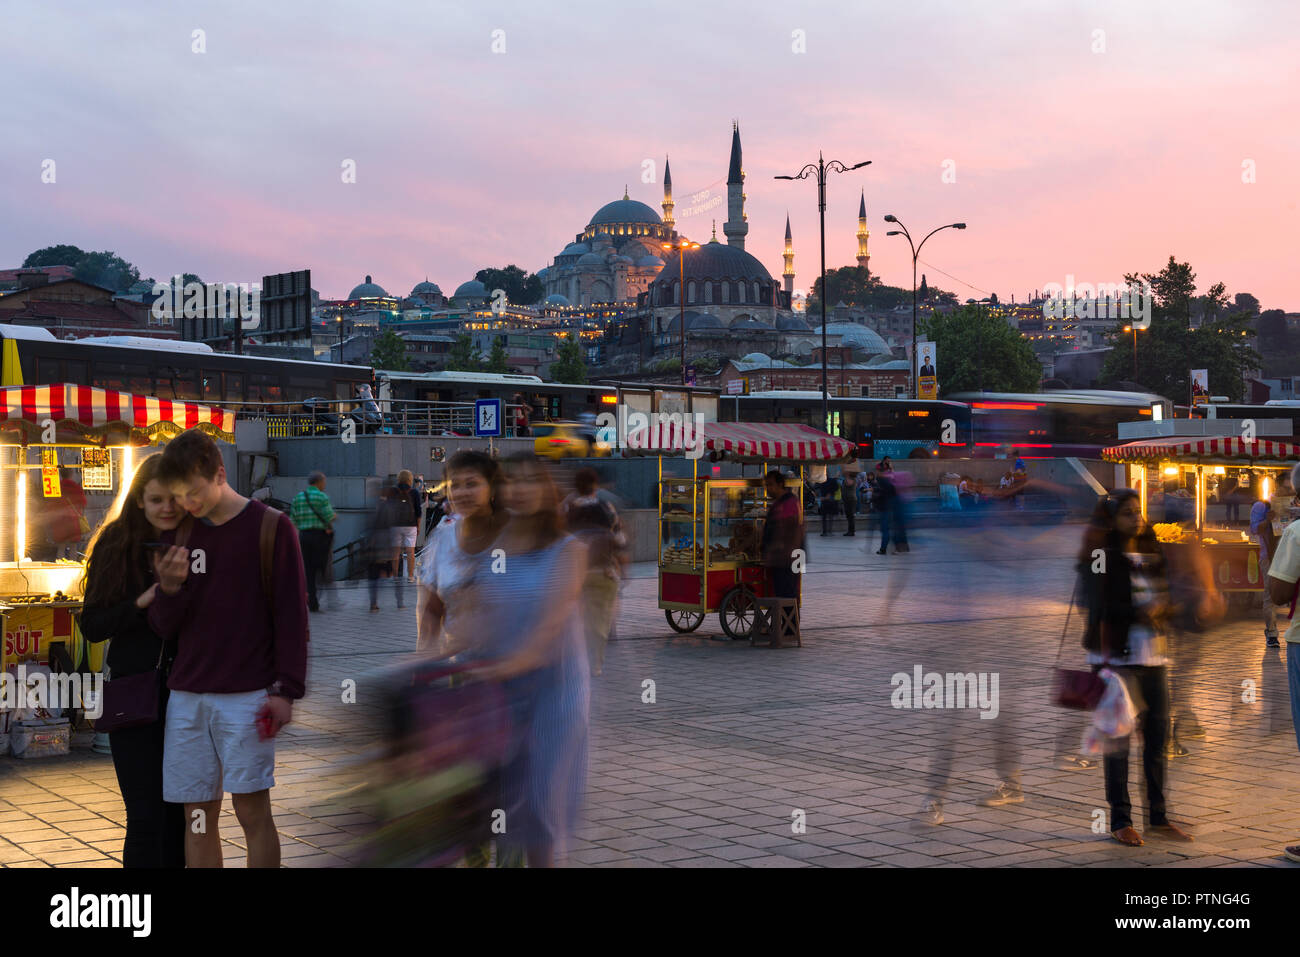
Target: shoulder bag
[1074, 688]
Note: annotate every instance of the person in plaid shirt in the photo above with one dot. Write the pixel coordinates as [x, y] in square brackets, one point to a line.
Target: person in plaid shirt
[313, 516]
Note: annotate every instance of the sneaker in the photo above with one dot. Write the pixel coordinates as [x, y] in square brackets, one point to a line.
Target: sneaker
[1004, 793]
[1272, 641]
[1175, 750]
[1292, 852]
[882, 551]
[374, 608]
[1075, 763]
[932, 813]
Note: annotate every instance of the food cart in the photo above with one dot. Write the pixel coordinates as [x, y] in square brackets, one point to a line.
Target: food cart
[711, 530]
[1155, 465]
[49, 428]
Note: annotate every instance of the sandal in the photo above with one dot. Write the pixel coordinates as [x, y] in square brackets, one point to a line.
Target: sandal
[1128, 836]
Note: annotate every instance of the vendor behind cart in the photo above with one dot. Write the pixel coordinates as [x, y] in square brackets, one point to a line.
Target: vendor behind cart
[782, 535]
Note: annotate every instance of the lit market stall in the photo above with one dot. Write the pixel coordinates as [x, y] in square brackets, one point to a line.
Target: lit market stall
[1168, 472]
[47, 433]
[710, 530]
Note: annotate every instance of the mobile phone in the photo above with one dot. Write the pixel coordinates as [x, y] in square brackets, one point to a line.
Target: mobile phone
[163, 546]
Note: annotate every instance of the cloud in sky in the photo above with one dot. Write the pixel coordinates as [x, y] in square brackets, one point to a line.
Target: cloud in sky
[228, 163]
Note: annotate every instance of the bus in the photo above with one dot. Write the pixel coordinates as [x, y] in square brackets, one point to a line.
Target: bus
[556, 401]
[1054, 424]
[898, 428]
[170, 369]
[1286, 409]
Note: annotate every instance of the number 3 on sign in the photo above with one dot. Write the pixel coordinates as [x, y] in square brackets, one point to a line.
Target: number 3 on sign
[50, 484]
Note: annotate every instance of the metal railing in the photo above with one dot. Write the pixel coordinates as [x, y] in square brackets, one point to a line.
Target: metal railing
[394, 417]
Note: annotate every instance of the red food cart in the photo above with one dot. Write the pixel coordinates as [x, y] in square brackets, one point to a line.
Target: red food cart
[710, 530]
[1173, 465]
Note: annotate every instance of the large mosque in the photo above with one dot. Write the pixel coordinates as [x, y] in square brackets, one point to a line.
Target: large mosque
[618, 257]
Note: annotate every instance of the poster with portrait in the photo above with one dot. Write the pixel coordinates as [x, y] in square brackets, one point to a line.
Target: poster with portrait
[927, 375]
[1200, 387]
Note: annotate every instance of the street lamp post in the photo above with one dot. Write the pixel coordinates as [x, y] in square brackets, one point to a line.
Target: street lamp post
[821, 167]
[682, 246]
[1134, 330]
[916, 253]
[340, 338]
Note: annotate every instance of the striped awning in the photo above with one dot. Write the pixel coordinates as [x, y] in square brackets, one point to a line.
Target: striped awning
[1220, 450]
[103, 412]
[741, 441]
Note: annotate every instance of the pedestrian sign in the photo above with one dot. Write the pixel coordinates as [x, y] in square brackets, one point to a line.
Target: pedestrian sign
[487, 418]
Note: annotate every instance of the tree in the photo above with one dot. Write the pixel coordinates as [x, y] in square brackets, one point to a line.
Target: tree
[55, 256]
[1214, 302]
[1172, 288]
[521, 288]
[464, 355]
[978, 350]
[389, 352]
[1245, 302]
[1274, 334]
[570, 364]
[496, 360]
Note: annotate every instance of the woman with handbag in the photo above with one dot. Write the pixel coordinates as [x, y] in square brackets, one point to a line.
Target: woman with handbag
[119, 587]
[1123, 575]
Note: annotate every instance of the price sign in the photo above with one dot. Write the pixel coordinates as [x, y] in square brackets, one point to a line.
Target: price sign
[96, 469]
[50, 473]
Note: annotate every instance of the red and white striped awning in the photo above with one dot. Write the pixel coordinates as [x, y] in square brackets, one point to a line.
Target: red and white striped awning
[741, 441]
[99, 412]
[1219, 450]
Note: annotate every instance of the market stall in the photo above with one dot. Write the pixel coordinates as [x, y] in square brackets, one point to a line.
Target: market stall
[710, 530]
[1171, 473]
[57, 442]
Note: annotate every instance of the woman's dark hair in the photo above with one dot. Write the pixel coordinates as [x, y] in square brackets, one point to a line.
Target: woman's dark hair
[469, 460]
[585, 480]
[546, 524]
[116, 567]
[1101, 531]
[776, 475]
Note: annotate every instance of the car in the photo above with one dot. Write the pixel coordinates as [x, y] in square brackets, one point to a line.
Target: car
[562, 440]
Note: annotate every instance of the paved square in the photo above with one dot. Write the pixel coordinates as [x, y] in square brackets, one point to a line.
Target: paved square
[741, 745]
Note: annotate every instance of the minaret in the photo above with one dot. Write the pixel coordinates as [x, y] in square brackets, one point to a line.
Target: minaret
[735, 227]
[863, 256]
[669, 223]
[788, 275]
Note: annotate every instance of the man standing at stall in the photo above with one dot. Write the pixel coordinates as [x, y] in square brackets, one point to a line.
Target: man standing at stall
[782, 535]
[233, 596]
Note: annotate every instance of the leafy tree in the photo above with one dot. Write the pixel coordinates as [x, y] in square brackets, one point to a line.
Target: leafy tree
[55, 256]
[496, 360]
[978, 350]
[1273, 331]
[389, 352]
[1245, 302]
[521, 288]
[1170, 349]
[464, 355]
[570, 363]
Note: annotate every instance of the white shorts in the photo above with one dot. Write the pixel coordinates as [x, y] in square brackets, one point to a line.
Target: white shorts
[404, 536]
[211, 747]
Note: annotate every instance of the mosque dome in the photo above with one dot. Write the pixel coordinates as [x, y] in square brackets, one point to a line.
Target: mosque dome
[624, 211]
[748, 322]
[471, 290]
[791, 324]
[715, 260]
[575, 249]
[855, 336]
[368, 290]
[650, 262]
[426, 288]
[695, 321]
[555, 299]
[590, 259]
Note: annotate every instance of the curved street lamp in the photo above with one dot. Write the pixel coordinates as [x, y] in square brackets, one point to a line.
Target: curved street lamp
[682, 245]
[821, 168]
[916, 252]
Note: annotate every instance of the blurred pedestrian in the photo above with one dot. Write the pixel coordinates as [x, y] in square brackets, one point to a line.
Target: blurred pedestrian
[596, 524]
[1128, 607]
[1261, 531]
[407, 509]
[313, 516]
[379, 548]
[783, 534]
[848, 496]
[1283, 574]
[828, 502]
[883, 502]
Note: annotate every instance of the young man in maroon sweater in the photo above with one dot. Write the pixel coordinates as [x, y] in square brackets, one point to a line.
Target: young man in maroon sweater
[241, 660]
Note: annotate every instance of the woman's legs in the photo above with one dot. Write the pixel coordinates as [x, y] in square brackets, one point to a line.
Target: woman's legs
[155, 830]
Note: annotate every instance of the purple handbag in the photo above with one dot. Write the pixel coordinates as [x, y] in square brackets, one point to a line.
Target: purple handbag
[1073, 688]
[132, 701]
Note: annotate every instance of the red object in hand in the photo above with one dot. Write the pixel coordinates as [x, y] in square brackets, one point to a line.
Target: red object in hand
[265, 723]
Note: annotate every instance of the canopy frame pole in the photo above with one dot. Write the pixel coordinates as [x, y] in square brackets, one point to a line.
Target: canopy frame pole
[1200, 501]
[1140, 480]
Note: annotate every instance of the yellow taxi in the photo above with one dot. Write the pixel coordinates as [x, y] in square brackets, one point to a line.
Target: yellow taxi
[563, 440]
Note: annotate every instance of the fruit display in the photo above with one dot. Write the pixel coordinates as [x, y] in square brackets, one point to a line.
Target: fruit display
[54, 599]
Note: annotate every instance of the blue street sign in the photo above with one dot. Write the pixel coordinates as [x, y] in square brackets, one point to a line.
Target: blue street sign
[487, 418]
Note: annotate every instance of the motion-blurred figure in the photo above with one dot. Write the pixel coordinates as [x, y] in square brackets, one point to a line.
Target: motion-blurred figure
[379, 548]
[596, 524]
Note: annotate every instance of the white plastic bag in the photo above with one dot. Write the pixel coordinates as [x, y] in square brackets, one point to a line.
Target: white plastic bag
[1114, 717]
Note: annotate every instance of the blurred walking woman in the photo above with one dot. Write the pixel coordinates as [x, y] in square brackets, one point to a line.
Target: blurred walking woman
[1128, 610]
[120, 587]
[521, 618]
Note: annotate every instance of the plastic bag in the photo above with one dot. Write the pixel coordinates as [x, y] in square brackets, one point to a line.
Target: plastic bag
[1114, 717]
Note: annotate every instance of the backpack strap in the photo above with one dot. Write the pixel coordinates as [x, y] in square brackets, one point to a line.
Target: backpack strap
[266, 550]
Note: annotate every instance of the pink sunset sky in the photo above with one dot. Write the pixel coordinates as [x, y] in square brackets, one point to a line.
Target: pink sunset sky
[228, 163]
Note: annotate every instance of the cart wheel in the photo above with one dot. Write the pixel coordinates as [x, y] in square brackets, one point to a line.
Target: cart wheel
[737, 613]
[684, 621]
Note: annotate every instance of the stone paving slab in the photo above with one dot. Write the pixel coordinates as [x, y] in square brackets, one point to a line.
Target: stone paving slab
[789, 757]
